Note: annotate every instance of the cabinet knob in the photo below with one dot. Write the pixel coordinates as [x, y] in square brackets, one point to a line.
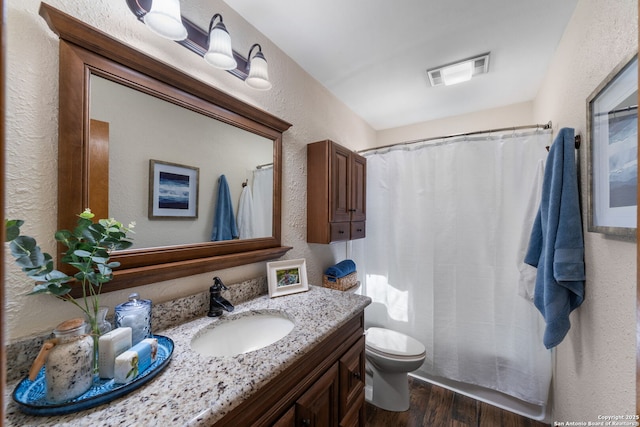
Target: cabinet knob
[357, 374]
[306, 422]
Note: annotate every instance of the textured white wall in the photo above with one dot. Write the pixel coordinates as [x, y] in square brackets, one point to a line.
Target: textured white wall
[32, 114]
[595, 364]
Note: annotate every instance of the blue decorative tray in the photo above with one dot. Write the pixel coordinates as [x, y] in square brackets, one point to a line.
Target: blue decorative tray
[30, 395]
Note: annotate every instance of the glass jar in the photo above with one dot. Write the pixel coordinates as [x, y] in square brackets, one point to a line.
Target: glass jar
[69, 364]
[136, 314]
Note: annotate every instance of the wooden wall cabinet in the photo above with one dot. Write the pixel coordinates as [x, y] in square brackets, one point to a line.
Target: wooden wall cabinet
[325, 388]
[336, 193]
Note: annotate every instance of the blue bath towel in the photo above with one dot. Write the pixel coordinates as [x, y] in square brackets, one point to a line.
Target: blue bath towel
[224, 221]
[341, 269]
[556, 246]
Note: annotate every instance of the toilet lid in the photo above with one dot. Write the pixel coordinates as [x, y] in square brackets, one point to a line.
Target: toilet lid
[393, 343]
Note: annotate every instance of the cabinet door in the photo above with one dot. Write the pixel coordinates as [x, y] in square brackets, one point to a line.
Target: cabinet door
[287, 420]
[356, 415]
[352, 378]
[318, 406]
[358, 189]
[340, 173]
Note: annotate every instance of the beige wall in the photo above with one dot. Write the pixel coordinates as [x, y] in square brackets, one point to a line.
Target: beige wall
[170, 134]
[32, 105]
[512, 115]
[595, 364]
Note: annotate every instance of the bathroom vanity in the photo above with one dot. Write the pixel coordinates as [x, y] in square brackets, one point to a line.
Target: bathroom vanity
[324, 388]
[312, 376]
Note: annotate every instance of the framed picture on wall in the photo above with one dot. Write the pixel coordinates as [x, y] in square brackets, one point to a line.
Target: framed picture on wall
[173, 190]
[612, 158]
[287, 277]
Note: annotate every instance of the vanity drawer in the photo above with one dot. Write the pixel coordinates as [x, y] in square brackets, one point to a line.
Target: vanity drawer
[358, 230]
[339, 231]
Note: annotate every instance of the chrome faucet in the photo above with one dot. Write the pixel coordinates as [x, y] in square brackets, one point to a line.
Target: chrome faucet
[216, 302]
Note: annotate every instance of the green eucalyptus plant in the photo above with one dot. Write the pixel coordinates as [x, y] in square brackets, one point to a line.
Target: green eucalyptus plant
[88, 249]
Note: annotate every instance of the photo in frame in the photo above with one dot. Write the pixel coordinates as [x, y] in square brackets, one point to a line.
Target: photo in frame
[287, 277]
[612, 157]
[173, 190]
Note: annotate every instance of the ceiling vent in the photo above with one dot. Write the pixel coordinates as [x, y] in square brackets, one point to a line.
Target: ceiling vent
[460, 71]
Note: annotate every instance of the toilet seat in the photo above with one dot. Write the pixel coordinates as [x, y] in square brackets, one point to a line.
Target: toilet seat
[393, 344]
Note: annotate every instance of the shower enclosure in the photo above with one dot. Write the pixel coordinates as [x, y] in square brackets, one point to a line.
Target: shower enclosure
[448, 223]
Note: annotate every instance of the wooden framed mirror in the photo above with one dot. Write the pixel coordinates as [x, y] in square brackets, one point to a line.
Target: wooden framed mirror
[88, 56]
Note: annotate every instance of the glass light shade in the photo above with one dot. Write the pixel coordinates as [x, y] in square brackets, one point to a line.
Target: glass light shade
[220, 54]
[165, 20]
[457, 73]
[258, 77]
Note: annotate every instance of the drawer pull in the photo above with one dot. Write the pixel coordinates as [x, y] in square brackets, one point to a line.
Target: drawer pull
[341, 232]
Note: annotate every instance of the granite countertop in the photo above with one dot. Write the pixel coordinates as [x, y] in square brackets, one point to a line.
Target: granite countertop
[198, 390]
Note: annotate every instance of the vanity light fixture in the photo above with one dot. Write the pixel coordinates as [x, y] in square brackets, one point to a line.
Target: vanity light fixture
[258, 77]
[207, 44]
[460, 71]
[220, 54]
[165, 20]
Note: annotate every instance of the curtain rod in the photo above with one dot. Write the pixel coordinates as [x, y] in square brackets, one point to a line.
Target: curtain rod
[536, 126]
[619, 110]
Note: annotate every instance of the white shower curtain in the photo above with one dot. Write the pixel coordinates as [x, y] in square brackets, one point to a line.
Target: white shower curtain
[444, 224]
[263, 202]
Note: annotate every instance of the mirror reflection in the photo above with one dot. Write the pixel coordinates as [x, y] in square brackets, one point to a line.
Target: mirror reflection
[139, 130]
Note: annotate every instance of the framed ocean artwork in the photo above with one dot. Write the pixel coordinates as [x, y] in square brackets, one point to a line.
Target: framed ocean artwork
[173, 190]
[612, 158]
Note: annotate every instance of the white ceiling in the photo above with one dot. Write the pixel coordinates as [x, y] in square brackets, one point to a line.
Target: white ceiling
[373, 54]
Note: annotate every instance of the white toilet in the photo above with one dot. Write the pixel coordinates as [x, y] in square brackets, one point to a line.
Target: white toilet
[390, 357]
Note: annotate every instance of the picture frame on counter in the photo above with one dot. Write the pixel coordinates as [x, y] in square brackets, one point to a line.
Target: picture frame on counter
[287, 277]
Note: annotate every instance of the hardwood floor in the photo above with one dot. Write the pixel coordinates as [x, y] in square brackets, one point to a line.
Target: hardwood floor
[439, 407]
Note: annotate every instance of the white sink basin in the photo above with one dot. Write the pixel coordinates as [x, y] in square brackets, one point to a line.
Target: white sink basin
[241, 333]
